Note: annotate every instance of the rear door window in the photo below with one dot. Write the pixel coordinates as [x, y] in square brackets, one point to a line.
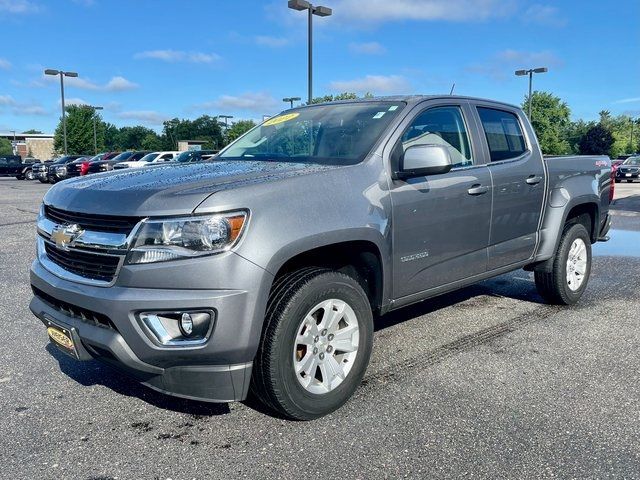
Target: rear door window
[503, 133]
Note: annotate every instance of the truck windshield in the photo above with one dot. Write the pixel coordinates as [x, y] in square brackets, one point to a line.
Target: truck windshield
[339, 134]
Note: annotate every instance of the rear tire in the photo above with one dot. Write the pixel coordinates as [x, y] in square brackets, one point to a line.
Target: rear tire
[301, 347]
[568, 278]
[29, 175]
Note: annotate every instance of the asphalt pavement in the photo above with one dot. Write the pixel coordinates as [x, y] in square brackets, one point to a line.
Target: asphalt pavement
[486, 382]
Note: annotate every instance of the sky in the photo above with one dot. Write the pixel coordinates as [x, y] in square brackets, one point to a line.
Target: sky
[146, 61]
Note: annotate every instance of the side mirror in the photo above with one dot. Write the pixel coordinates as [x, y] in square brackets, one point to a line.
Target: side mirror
[421, 160]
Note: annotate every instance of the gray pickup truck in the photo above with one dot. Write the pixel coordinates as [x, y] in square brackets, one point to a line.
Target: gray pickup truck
[262, 271]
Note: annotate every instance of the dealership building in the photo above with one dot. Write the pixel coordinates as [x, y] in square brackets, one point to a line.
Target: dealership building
[36, 145]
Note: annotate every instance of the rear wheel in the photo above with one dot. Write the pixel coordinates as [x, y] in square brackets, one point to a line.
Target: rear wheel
[569, 276]
[29, 175]
[316, 343]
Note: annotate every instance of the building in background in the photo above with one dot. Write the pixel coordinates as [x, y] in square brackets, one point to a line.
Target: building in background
[35, 145]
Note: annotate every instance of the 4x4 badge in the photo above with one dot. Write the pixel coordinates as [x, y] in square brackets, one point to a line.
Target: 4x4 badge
[64, 235]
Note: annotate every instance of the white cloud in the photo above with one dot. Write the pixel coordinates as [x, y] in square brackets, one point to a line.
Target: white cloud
[378, 11]
[73, 101]
[120, 84]
[373, 84]
[6, 100]
[503, 64]
[178, 56]
[18, 7]
[4, 64]
[544, 15]
[274, 42]
[149, 117]
[116, 84]
[367, 48]
[622, 100]
[258, 102]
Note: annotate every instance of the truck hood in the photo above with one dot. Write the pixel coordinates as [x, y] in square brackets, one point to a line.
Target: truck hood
[166, 189]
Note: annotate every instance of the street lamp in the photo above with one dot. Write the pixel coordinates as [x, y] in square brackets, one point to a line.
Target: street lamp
[291, 100]
[312, 10]
[225, 117]
[62, 74]
[530, 72]
[95, 136]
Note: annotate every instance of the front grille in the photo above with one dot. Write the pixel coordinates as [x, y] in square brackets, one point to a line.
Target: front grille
[88, 265]
[98, 223]
[83, 314]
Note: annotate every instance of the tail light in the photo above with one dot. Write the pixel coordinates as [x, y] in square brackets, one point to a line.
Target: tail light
[612, 189]
[84, 168]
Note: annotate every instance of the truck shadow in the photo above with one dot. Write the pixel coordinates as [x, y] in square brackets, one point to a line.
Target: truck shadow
[516, 285]
[97, 373]
[626, 204]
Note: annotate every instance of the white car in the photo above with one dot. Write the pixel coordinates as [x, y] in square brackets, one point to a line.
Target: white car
[149, 159]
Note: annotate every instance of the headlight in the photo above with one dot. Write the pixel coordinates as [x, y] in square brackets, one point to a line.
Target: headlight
[61, 171]
[188, 237]
[105, 166]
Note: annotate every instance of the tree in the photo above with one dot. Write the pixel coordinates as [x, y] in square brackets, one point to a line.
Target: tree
[340, 96]
[550, 118]
[32, 132]
[151, 141]
[204, 128]
[132, 138]
[597, 141]
[5, 147]
[239, 128]
[79, 131]
[111, 137]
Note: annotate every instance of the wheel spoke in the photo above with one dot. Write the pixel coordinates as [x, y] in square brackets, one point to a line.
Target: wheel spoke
[344, 345]
[327, 376]
[332, 314]
[335, 367]
[344, 333]
[307, 365]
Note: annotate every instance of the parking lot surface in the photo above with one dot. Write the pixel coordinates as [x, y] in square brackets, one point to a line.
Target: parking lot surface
[485, 382]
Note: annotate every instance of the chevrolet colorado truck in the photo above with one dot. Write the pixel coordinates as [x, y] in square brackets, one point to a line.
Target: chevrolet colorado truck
[262, 270]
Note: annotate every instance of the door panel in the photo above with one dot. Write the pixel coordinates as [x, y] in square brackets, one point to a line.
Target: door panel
[441, 232]
[518, 187]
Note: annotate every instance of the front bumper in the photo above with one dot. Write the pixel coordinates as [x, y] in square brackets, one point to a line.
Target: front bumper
[218, 370]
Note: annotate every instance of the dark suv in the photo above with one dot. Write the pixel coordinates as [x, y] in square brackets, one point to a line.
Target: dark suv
[54, 172]
[106, 165]
[192, 156]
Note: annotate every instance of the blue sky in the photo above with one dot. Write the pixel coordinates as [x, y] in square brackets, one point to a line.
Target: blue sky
[146, 61]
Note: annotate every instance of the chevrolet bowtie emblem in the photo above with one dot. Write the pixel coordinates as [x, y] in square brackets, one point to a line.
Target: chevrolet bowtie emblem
[64, 235]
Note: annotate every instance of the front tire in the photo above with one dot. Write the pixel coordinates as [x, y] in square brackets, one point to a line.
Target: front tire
[568, 278]
[29, 175]
[316, 343]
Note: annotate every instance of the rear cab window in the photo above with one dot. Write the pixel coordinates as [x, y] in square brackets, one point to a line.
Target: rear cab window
[503, 133]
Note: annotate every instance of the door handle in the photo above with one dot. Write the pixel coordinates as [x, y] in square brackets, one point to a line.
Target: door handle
[478, 189]
[534, 179]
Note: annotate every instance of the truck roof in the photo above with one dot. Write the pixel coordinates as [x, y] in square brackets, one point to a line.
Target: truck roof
[413, 99]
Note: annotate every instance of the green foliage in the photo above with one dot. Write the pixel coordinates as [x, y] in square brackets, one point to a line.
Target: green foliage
[111, 137]
[151, 141]
[550, 120]
[239, 128]
[597, 141]
[131, 138]
[32, 132]
[79, 131]
[5, 147]
[340, 96]
[202, 128]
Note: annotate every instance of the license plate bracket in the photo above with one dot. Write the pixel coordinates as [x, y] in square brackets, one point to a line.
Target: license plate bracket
[62, 338]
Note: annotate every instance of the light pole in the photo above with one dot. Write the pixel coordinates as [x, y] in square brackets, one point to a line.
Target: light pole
[530, 72]
[312, 10]
[291, 100]
[62, 74]
[95, 135]
[226, 118]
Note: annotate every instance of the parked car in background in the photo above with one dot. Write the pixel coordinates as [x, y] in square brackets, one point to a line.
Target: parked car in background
[84, 166]
[39, 168]
[192, 156]
[71, 169]
[267, 268]
[106, 165]
[48, 174]
[14, 166]
[629, 170]
[149, 159]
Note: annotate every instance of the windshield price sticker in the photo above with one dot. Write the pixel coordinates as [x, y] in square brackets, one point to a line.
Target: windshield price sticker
[379, 115]
[280, 119]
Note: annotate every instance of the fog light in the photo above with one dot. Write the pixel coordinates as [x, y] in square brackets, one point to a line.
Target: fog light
[186, 324]
[178, 328]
